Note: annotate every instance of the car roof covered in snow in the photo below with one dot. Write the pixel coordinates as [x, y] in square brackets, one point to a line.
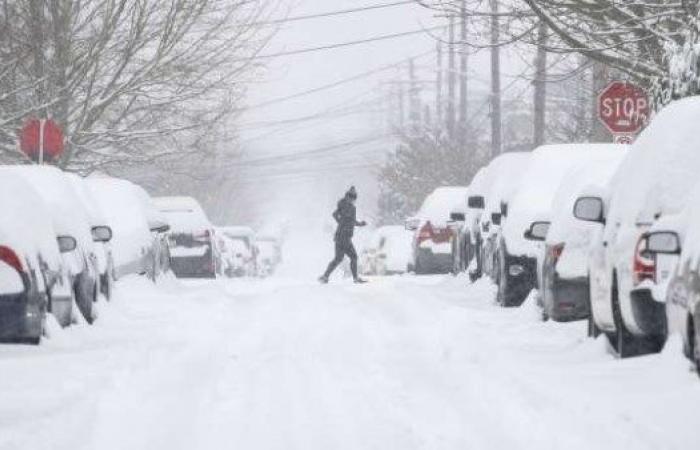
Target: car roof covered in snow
[505, 173]
[184, 214]
[661, 167]
[27, 230]
[67, 211]
[548, 168]
[441, 202]
[120, 203]
[90, 203]
[581, 178]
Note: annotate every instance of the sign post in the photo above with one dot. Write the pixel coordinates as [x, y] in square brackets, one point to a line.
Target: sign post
[624, 110]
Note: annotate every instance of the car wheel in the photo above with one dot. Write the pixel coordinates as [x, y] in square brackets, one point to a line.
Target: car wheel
[625, 343]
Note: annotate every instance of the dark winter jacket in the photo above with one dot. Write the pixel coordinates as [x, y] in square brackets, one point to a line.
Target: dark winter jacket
[346, 216]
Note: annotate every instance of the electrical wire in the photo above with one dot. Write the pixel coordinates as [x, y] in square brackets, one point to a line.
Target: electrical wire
[339, 45]
[332, 13]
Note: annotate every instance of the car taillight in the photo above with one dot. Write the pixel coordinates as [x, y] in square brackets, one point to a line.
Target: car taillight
[555, 252]
[425, 233]
[8, 256]
[643, 268]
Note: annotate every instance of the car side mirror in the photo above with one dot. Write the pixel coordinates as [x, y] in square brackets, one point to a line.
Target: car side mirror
[589, 209]
[663, 242]
[412, 223]
[66, 243]
[537, 231]
[101, 233]
[476, 202]
[457, 217]
[496, 218]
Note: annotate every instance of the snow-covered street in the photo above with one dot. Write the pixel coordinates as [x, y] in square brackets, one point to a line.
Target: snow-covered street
[401, 363]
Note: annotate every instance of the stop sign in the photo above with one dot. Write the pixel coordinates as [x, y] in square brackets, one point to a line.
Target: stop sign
[38, 147]
[623, 107]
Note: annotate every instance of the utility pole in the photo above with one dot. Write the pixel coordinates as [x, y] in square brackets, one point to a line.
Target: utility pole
[399, 91]
[438, 86]
[540, 97]
[451, 81]
[496, 133]
[601, 76]
[462, 128]
[413, 101]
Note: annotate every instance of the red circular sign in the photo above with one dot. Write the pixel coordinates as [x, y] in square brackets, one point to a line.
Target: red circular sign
[623, 107]
[30, 141]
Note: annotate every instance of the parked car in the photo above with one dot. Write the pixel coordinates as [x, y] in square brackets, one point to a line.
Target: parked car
[390, 250]
[433, 233]
[529, 214]
[673, 243]
[464, 241]
[653, 181]
[564, 294]
[269, 255]
[246, 235]
[34, 279]
[101, 231]
[70, 220]
[159, 227]
[505, 173]
[133, 245]
[191, 237]
[234, 255]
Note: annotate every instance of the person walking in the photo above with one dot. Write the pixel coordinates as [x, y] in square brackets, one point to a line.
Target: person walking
[346, 217]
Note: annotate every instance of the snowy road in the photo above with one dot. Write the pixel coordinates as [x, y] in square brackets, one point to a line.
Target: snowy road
[401, 363]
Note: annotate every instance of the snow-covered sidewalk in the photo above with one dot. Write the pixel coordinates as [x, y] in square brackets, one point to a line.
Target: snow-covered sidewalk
[400, 363]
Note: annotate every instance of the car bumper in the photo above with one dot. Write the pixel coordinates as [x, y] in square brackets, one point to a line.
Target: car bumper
[649, 315]
[21, 316]
[192, 267]
[429, 262]
[568, 299]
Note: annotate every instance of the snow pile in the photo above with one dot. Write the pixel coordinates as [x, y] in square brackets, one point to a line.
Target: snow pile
[437, 206]
[565, 228]
[548, 169]
[183, 214]
[120, 203]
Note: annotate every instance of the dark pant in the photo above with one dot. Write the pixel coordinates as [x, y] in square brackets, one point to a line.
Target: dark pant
[342, 248]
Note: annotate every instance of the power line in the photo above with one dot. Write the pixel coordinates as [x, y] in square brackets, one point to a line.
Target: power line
[339, 45]
[332, 13]
[336, 83]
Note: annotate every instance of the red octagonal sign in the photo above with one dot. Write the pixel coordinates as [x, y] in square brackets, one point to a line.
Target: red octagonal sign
[623, 107]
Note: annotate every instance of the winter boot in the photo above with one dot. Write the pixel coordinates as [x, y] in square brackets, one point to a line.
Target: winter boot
[323, 279]
[359, 280]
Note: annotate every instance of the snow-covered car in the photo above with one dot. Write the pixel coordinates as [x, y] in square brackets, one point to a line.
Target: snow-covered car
[159, 227]
[673, 243]
[563, 267]
[653, 181]
[433, 233]
[246, 235]
[101, 233]
[132, 243]
[464, 243]
[34, 278]
[70, 219]
[191, 237]
[391, 250]
[234, 255]
[505, 173]
[529, 214]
